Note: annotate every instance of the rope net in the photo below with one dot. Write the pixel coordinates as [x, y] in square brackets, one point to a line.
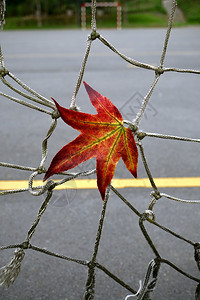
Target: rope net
[32, 99]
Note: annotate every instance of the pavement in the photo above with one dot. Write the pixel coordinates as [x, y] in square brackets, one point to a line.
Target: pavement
[49, 62]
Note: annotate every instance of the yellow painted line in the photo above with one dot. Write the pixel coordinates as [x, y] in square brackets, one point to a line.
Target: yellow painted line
[117, 183]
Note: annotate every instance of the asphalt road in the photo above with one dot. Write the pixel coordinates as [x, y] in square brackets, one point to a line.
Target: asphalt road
[49, 62]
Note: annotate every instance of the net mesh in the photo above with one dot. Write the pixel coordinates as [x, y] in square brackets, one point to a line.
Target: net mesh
[35, 101]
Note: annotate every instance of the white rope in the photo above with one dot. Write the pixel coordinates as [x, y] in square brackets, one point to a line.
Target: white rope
[180, 200]
[136, 294]
[2, 13]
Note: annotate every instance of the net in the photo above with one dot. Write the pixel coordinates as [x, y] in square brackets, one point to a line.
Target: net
[35, 101]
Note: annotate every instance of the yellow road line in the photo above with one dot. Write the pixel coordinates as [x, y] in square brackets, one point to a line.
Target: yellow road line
[117, 183]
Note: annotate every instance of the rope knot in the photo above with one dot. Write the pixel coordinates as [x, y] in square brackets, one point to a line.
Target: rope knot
[159, 71]
[55, 114]
[50, 185]
[94, 35]
[75, 108]
[91, 264]
[133, 128]
[148, 215]
[141, 135]
[25, 245]
[4, 72]
[41, 170]
[156, 195]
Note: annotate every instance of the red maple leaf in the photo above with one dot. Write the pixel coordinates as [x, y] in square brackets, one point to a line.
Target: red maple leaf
[102, 136]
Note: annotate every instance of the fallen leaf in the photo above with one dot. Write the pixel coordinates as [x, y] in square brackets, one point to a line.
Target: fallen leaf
[102, 136]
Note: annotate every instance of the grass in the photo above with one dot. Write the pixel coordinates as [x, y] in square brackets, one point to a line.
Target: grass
[30, 22]
[135, 13]
[191, 10]
[147, 19]
[134, 20]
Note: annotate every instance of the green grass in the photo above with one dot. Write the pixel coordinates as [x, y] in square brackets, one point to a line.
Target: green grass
[136, 13]
[147, 19]
[191, 10]
[134, 20]
[143, 16]
[55, 22]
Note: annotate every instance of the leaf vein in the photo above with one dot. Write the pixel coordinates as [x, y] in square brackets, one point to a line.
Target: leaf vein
[127, 148]
[111, 152]
[98, 141]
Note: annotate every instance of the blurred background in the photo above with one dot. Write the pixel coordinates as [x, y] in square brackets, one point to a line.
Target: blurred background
[25, 14]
